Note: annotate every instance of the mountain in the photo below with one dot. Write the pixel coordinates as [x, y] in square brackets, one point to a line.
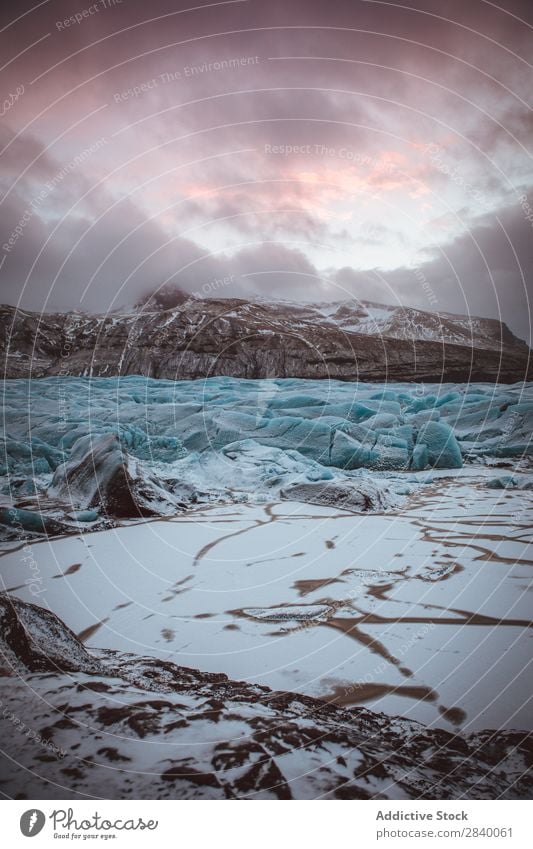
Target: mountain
[197, 338]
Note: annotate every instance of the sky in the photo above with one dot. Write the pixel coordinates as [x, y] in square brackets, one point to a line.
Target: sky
[299, 149]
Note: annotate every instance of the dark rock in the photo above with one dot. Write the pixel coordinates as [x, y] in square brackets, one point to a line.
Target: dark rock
[99, 473]
[360, 496]
[250, 339]
[35, 639]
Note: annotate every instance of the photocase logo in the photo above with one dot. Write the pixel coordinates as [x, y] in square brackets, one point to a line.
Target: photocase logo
[32, 822]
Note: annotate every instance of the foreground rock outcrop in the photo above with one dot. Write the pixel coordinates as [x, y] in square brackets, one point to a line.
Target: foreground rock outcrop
[109, 725]
[260, 339]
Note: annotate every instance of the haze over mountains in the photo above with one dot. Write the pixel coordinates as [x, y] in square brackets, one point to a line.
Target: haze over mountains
[175, 336]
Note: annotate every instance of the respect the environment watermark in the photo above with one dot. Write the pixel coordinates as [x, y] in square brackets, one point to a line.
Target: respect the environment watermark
[48, 187]
[10, 716]
[436, 156]
[88, 12]
[188, 71]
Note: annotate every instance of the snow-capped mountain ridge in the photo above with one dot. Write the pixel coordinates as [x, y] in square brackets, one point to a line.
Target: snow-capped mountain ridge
[264, 338]
[399, 322]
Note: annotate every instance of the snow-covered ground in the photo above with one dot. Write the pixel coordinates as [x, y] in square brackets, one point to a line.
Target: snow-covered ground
[424, 611]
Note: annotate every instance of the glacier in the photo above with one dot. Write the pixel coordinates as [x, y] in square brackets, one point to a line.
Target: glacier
[232, 439]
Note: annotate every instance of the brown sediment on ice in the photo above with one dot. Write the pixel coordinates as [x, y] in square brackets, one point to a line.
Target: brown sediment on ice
[304, 587]
[87, 633]
[375, 646]
[359, 693]
[464, 617]
[257, 523]
[455, 715]
[70, 571]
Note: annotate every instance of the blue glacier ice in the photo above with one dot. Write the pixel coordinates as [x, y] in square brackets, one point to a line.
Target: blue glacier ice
[273, 429]
[443, 450]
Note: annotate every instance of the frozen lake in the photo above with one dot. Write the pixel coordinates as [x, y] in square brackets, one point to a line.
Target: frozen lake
[423, 612]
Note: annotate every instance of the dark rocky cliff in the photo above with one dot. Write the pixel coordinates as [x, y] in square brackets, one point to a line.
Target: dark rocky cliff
[251, 339]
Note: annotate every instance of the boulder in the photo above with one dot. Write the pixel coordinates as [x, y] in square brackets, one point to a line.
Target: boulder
[99, 473]
[361, 495]
[36, 640]
[30, 522]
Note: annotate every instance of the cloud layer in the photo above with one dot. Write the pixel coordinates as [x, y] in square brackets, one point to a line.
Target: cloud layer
[291, 149]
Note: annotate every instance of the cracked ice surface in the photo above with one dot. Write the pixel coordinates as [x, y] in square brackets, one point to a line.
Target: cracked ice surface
[424, 612]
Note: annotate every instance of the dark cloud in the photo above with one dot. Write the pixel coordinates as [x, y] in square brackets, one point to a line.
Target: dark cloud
[188, 105]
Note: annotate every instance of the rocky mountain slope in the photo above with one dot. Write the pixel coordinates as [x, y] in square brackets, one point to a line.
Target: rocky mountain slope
[263, 339]
[117, 726]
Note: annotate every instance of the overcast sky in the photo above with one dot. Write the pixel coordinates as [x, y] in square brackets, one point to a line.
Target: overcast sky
[302, 149]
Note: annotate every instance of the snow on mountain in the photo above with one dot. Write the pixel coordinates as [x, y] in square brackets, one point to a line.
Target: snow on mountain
[261, 338]
[399, 322]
